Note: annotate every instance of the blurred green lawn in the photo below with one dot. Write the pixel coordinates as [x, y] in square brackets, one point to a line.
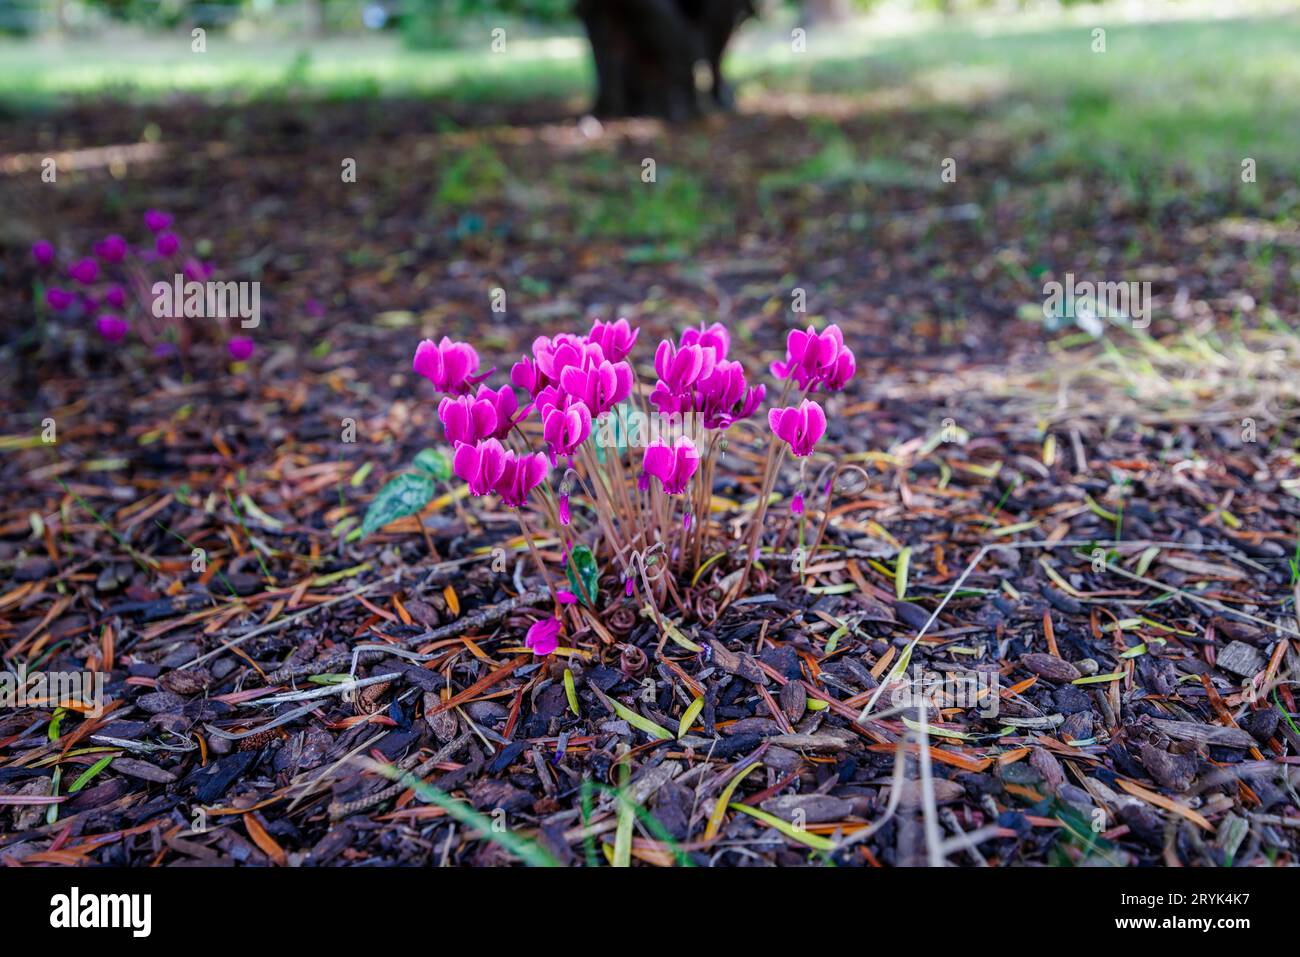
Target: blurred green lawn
[1192, 95]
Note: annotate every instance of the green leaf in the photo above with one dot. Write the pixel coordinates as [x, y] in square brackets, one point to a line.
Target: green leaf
[833, 641]
[52, 815]
[631, 717]
[688, 716]
[940, 732]
[900, 572]
[528, 851]
[1098, 679]
[404, 495]
[570, 692]
[724, 800]
[433, 462]
[815, 841]
[55, 723]
[626, 820]
[671, 630]
[84, 778]
[360, 474]
[584, 561]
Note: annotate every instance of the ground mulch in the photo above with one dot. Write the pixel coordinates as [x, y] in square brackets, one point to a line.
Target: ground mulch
[1108, 546]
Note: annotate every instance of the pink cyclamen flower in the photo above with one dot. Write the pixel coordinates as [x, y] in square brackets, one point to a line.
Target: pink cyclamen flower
[813, 359]
[526, 375]
[796, 504]
[481, 465]
[111, 249]
[599, 385]
[504, 403]
[680, 367]
[467, 419]
[544, 636]
[800, 426]
[565, 516]
[84, 271]
[111, 327]
[115, 296]
[566, 597]
[519, 476]
[715, 337]
[240, 348]
[156, 221]
[672, 465]
[449, 365]
[841, 373]
[615, 339]
[554, 355]
[59, 299]
[723, 397]
[42, 252]
[566, 423]
[166, 244]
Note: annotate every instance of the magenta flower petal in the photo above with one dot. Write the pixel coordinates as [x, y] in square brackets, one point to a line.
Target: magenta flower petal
[481, 465]
[504, 404]
[59, 299]
[240, 348]
[449, 365]
[112, 328]
[799, 426]
[543, 637]
[156, 221]
[466, 419]
[519, 476]
[615, 339]
[42, 252]
[166, 244]
[111, 249]
[84, 271]
[672, 465]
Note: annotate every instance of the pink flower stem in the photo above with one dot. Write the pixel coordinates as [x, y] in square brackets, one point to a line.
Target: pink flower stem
[704, 501]
[599, 498]
[532, 549]
[760, 512]
[826, 507]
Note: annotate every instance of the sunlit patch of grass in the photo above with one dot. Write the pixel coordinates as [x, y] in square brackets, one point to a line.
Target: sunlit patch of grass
[148, 68]
[1193, 95]
[839, 161]
[472, 177]
[671, 210]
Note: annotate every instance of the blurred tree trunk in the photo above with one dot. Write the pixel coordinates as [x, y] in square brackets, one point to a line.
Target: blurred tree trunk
[645, 53]
[314, 17]
[826, 11]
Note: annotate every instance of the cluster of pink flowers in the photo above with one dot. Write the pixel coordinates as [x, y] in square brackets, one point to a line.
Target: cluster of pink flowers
[695, 375]
[476, 424]
[813, 359]
[574, 380]
[110, 285]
